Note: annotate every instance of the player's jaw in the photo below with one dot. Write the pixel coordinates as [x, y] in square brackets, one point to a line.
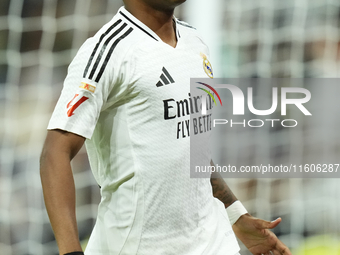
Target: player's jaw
[160, 5]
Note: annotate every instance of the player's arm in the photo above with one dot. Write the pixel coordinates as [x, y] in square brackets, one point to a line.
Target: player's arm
[253, 232]
[58, 186]
[221, 190]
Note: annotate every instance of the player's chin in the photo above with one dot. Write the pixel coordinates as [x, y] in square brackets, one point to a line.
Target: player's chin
[176, 2]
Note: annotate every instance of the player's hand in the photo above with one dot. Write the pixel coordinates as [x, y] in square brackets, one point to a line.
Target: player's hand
[257, 237]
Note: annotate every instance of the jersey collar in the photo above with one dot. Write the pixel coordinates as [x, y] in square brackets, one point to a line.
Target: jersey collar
[127, 15]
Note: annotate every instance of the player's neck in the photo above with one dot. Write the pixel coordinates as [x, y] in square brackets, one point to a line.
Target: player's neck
[161, 22]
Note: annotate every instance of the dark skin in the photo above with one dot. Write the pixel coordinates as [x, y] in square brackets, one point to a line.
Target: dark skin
[60, 148]
[253, 232]
[221, 190]
[58, 186]
[157, 15]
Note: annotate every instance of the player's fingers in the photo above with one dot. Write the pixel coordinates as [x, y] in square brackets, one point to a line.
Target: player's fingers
[282, 252]
[278, 252]
[269, 224]
[285, 251]
[275, 252]
[282, 249]
[274, 223]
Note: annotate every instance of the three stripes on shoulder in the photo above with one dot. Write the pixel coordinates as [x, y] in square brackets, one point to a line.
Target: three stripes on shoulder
[100, 52]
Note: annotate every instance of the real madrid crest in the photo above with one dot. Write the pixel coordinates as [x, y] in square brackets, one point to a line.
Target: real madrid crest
[207, 66]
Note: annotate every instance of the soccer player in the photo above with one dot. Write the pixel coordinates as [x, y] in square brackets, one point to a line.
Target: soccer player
[125, 94]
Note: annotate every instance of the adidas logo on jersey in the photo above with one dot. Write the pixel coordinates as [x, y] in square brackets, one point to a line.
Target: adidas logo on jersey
[165, 78]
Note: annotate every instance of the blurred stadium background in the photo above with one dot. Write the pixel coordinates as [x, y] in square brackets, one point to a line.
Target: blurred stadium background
[262, 38]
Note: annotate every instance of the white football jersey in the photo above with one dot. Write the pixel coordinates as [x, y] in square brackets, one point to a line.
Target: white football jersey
[128, 93]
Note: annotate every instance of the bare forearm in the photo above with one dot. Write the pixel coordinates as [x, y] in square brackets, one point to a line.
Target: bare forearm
[59, 195]
[221, 190]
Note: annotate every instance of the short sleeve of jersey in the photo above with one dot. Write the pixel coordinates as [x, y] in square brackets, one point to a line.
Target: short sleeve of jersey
[91, 76]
